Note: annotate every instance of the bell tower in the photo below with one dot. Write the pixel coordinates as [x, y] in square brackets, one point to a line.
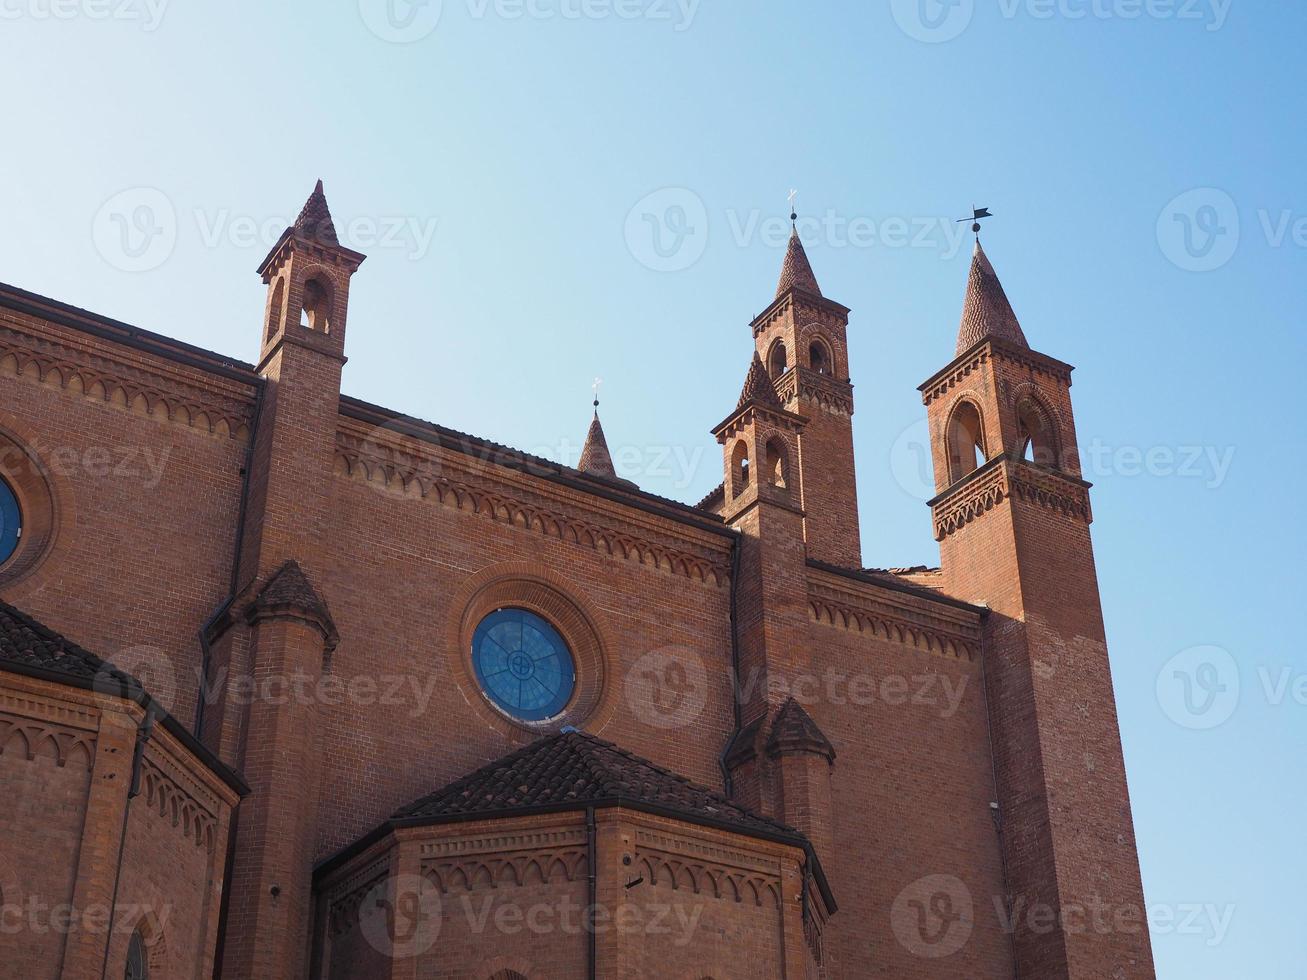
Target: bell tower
[1012, 518]
[801, 338]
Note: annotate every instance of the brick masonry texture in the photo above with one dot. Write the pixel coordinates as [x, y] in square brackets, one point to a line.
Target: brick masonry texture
[957, 757]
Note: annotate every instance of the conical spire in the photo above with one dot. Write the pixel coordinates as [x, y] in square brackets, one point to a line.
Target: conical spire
[796, 270]
[758, 387]
[987, 312]
[314, 221]
[595, 457]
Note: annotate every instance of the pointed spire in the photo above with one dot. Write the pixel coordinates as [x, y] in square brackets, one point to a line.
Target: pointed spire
[796, 272]
[758, 386]
[795, 731]
[986, 312]
[595, 458]
[314, 221]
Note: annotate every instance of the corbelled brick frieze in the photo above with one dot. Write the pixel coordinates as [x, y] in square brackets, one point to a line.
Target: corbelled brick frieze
[920, 623]
[154, 391]
[458, 482]
[971, 360]
[1001, 478]
[824, 391]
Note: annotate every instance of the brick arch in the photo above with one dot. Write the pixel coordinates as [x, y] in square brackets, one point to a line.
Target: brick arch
[536, 587]
[45, 501]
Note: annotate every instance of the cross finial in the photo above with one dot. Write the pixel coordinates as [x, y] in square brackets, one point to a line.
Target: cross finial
[976, 215]
[794, 215]
[595, 388]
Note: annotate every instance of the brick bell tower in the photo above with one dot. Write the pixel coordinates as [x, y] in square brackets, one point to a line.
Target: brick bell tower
[802, 340]
[1012, 519]
[279, 628]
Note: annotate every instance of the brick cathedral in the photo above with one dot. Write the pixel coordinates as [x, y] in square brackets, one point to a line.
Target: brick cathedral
[292, 685]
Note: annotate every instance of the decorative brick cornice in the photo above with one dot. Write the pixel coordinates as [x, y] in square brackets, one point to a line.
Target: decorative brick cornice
[795, 301]
[936, 627]
[1000, 479]
[114, 381]
[991, 348]
[828, 393]
[179, 801]
[506, 497]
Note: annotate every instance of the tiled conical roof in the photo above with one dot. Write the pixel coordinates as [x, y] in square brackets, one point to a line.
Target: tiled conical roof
[314, 221]
[795, 731]
[573, 770]
[758, 386]
[595, 457]
[796, 271]
[986, 312]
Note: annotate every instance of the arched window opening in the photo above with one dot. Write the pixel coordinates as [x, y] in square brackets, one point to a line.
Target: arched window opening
[739, 468]
[275, 303]
[819, 357]
[966, 448]
[777, 360]
[316, 308]
[138, 966]
[777, 464]
[1036, 434]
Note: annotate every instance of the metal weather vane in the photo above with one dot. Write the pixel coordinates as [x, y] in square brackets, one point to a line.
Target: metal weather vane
[976, 215]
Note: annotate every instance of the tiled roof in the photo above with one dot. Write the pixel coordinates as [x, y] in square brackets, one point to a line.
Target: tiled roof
[986, 311]
[290, 587]
[30, 647]
[24, 642]
[796, 271]
[794, 730]
[595, 457]
[758, 386]
[573, 770]
[314, 221]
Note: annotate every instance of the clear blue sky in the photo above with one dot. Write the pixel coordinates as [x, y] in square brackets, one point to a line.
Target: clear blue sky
[495, 155]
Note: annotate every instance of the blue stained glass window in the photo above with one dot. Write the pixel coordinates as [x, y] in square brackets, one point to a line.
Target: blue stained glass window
[11, 521]
[523, 665]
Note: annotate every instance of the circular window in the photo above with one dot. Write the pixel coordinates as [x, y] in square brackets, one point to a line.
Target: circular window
[11, 521]
[523, 665]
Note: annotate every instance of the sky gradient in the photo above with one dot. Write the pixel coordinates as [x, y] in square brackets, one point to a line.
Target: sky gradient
[551, 190]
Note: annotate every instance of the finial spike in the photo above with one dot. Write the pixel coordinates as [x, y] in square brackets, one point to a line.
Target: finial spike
[794, 214]
[595, 389]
